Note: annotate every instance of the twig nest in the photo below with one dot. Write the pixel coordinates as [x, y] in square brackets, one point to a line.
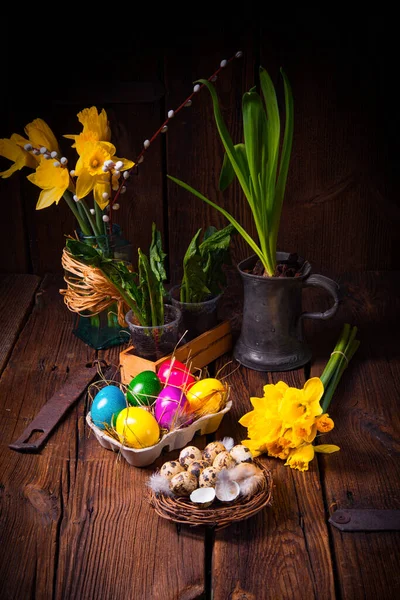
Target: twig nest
[241, 454]
[223, 460]
[171, 468]
[197, 466]
[203, 497]
[183, 484]
[188, 455]
[208, 477]
[227, 491]
[211, 451]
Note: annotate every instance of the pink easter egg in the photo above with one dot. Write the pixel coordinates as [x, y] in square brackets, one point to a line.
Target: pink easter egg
[169, 409]
[173, 372]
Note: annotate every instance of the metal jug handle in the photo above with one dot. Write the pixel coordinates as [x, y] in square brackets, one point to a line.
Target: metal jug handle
[330, 286]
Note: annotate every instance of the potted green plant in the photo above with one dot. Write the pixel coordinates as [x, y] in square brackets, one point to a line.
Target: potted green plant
[271, 336]
[94, 282]
[203, 281]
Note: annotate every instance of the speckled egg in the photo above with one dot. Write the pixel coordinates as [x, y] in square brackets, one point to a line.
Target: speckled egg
[171, 468]
[211, 451]
[223, 460]
[241, 454]
[183, 484]
[188, 455]
[197, 466]
[208, 477]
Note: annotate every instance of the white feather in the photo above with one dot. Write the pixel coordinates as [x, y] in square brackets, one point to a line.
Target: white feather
[159, 484]
[228, 442]
[248, 476]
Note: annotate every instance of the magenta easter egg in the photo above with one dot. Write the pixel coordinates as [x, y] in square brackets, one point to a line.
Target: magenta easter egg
[170, 407]
[172, 372]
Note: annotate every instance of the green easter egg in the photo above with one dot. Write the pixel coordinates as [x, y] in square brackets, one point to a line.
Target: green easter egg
[143, 389]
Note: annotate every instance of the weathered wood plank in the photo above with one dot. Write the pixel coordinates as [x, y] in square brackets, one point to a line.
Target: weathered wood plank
[74, 518]
[365, 408]
[16, 297]
[282, 552]
[338, 195]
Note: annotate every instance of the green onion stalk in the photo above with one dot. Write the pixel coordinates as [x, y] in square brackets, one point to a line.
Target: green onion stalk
[342, 354]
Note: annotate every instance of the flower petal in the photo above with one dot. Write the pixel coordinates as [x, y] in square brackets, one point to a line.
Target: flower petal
[100, 188]
[127, 164]
[85, 183]
[40, 134]
[326, 448]
[299, 458]
[48, 197]
[313, 390]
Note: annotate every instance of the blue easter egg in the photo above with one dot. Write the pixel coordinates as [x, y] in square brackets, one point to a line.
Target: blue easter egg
[107, 404]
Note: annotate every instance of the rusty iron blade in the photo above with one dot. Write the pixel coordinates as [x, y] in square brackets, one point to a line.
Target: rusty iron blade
[55, 408]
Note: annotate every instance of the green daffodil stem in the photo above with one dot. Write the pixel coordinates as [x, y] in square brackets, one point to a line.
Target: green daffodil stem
[82, 224]
[338, 362]
[99, 218]
[89, 217]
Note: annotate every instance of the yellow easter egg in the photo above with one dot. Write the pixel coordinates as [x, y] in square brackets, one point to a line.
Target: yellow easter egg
[137, 428]
[207, 396]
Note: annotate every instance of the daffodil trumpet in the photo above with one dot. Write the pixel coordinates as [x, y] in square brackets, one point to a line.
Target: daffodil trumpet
[285, 421]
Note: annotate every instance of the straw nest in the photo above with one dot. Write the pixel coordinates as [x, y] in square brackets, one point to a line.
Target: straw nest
[219, 514]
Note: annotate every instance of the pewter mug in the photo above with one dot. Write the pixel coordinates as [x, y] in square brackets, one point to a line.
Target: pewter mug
[271, 337]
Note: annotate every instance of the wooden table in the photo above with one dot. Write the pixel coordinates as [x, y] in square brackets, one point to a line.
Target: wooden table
[74, 520]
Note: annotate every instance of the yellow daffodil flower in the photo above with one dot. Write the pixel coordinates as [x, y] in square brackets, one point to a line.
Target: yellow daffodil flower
[53, 180]
[325, 424]
[90, 172]
[300, 457]
[9, 148]
[285, 421]
[95, 128]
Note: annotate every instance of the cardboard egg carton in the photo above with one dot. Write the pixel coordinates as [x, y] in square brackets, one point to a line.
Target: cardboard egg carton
[173, 440]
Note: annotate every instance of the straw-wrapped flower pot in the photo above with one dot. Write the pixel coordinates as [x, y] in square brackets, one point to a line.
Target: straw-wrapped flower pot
[219, 514]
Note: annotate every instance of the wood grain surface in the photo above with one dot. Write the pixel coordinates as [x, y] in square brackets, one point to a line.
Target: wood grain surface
[17, 293]
[365, 473]
[74, 521]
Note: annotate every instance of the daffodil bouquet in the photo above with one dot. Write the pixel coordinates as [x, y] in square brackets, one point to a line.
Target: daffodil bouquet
[286, 421]
[98, 170]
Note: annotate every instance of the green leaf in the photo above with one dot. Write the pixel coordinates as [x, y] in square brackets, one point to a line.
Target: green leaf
[227, 172]
[215, 254]
[254, 123]
[273, 133]
[285, 160]
[230, 218]
[157, 256]
[226, 138]
[152, 303]
[84, 252]
[193, 286]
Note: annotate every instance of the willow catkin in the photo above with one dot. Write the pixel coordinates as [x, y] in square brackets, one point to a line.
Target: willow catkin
[88, 290]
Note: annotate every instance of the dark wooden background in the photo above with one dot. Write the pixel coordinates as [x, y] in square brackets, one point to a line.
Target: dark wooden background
[341, 207]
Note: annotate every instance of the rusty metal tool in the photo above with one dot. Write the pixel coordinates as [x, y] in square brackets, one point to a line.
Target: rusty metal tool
[55, 408]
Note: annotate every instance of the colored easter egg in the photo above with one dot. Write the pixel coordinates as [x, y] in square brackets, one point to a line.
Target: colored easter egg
[170, 407]
[107, 403]
[136, 427]
[143, 389]
[206, 396]
[172, 372]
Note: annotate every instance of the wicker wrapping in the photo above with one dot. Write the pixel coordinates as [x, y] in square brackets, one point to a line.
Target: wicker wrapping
[219, 514]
